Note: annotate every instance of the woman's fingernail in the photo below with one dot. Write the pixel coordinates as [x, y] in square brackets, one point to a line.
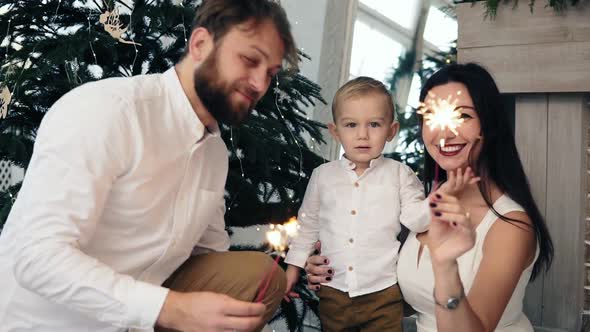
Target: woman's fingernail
[438, 196]
[432, 204]
[438, 214]
[329, 278]
[325, 261]
[454, 223]
[330, 271]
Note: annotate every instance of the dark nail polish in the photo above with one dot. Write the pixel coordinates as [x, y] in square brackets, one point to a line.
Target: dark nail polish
[454, 223]
[432, 204]
[330, 271]
[329, 278]
[325, 261]
[438, 214]
[438, 196]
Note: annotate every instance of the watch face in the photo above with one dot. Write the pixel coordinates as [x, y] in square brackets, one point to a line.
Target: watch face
[452, 303]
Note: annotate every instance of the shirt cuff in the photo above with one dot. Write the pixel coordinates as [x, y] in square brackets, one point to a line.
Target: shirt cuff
[145, 305]
[424, 219]
[296, 258]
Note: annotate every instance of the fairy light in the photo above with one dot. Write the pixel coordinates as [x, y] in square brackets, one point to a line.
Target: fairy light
[277, 90]
[181, 4]
[231, 139]
[90, 40]
[24, 66]
[8, 37]
[132, 40]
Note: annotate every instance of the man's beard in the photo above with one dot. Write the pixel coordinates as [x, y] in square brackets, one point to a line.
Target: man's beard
[215, 95]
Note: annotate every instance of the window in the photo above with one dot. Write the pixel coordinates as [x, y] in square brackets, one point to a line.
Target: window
[384, 30]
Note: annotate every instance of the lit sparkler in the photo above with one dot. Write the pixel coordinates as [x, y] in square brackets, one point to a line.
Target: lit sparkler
[441, 113]
[278, 238]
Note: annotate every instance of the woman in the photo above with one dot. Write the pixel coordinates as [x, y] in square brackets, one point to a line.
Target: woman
[469, 271]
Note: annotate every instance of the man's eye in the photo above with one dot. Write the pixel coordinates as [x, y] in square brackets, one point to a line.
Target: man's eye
[249, 60]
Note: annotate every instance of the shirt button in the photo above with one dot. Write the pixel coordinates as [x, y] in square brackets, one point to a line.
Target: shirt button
[353, 212]
[351, 240]
[356, 184]
[350, 268]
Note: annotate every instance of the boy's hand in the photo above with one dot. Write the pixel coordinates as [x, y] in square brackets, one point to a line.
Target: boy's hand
[292, 277]
[457, 181]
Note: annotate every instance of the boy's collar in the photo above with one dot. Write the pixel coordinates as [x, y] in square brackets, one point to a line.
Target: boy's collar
[347, 164]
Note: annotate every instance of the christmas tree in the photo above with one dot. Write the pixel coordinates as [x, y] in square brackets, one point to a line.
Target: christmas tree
[53, 46]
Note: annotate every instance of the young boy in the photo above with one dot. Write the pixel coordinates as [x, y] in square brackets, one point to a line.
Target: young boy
[355, 206]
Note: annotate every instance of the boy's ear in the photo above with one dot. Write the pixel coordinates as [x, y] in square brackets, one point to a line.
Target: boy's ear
[393, 129]
[333, 131]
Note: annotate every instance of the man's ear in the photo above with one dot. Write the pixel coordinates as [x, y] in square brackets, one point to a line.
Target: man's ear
[200, 44]
[333, 131]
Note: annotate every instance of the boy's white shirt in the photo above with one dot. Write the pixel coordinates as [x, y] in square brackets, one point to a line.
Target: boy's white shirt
[358, 219]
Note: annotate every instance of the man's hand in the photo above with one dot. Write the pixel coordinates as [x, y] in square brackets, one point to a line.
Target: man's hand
[209, 312]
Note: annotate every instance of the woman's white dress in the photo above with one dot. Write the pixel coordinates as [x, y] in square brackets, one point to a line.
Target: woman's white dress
[416, 278]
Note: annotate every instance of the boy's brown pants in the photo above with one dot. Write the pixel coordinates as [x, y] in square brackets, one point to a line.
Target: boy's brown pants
[234, 273]
[374, 312]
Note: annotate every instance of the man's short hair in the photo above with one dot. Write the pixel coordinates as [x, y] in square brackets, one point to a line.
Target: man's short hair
[219, 16]
[362, 86]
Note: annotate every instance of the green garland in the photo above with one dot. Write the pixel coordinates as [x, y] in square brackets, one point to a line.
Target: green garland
[492, 5]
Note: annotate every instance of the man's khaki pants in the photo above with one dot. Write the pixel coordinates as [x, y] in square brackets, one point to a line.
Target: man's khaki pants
[235, 273]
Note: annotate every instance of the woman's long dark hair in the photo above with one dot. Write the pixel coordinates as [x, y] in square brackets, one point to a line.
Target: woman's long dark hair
[498, 160]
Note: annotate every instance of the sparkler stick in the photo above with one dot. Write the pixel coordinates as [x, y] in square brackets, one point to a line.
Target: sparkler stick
[278, 238]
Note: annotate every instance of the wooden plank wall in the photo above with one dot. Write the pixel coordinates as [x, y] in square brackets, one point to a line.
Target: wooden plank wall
[531, 121]
[552, 136]
[539, 52]
[544, 58]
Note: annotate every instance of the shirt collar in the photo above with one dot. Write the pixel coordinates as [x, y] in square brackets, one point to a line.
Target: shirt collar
[349, 165]
[183, 106]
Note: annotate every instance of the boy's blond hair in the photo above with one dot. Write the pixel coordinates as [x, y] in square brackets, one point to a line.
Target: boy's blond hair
[362, 86]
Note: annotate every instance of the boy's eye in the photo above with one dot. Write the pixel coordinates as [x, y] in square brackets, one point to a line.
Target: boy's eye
[375, 124]
[350, 125]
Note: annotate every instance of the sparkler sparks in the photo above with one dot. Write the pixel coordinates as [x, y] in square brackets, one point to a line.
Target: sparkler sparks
[442, 114]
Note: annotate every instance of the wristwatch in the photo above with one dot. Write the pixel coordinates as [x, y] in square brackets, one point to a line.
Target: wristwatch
[452, 302]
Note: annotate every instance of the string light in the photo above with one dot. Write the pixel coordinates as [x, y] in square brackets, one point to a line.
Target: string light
[231, 139]
[35, 48]
[90, 41]
[276, 90]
